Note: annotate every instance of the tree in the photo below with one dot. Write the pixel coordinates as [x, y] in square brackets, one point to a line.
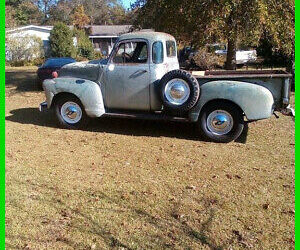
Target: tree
[28, 13]
[118, 15]
[61, 41]
[102, 11]
[13, 3]
[233, 21]
[10, 21]
[61, 12]
[45, 6]
[80, 19]
[79, 12]
[22, 13]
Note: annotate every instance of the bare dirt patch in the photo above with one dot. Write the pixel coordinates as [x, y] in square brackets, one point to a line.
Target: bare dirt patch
[125, 184]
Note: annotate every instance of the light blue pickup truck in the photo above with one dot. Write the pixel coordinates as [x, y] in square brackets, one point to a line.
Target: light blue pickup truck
[141, 79]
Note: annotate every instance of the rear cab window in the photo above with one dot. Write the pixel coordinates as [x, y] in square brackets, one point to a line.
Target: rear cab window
[157, 52]
[171, 48]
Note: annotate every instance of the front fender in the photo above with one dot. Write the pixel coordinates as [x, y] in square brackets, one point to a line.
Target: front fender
[88, 92]
[256, 101]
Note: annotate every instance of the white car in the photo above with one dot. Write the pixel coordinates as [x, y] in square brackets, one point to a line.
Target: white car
[241, 57]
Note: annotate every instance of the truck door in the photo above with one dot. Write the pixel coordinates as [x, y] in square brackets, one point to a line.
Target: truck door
[128, 77]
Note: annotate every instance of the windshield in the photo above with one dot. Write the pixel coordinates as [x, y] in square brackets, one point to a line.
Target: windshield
[58, 62]
[131, 52]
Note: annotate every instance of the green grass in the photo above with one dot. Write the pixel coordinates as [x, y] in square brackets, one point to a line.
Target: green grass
[125, 184]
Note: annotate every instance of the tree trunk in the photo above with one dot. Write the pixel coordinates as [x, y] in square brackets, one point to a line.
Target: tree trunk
[291, 69]
[230, 60]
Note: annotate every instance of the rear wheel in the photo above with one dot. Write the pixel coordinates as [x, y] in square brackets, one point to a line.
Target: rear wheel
[221, 122]
[70, 112]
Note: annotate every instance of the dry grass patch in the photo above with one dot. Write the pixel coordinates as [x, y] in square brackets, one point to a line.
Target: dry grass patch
[125, 184]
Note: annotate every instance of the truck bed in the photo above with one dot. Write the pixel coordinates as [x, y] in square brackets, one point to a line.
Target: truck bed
[236, 74]
[276, 81]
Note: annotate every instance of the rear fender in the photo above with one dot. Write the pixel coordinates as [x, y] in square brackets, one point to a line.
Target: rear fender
[254, 100]
[88, 92]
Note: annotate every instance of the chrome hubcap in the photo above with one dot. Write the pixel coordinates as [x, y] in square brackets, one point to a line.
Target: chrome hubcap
[219, 122]
[177, 91]
[71, 112]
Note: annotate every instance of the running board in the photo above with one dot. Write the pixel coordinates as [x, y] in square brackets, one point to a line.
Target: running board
[157, 116]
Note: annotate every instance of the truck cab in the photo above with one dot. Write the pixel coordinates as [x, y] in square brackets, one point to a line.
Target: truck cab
[135, 66]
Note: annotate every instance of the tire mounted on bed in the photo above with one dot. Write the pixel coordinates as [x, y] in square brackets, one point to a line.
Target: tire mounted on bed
[179, 91]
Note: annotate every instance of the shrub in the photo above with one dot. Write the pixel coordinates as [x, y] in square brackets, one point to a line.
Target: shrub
[98, 55]
[61, 41]
[81, 59]
[205, 60]
[84, 45]
[38, 61]
[22, 50]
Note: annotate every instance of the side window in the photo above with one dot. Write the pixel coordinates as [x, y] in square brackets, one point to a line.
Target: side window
[157, 52]
[171, 48]
[131, 52]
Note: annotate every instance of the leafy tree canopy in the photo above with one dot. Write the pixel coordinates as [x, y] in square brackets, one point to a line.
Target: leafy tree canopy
[51, 11]
[80, 19]
[98, 11]
[235, 21]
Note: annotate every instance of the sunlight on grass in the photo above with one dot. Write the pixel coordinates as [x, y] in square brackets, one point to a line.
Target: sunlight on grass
[125, 184]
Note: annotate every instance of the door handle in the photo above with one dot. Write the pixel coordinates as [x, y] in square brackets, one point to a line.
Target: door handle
[138, 73]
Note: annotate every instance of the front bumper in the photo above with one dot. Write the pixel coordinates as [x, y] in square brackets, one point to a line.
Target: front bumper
[43, 107]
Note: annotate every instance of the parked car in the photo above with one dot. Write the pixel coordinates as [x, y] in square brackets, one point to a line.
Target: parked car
[52, 64]
[241, 56]
[145, 82]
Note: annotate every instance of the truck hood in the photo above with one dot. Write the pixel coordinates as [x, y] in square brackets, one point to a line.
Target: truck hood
[89, 70]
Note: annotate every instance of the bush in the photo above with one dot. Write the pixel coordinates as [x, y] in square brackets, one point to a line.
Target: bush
[22, 50]
[205, 60]
[85, 47]
[81, 59]
[38, 61]
[61, 41]
[98, 55]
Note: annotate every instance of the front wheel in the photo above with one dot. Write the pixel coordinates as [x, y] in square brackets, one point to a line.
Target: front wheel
[70, 113]
[221, 122]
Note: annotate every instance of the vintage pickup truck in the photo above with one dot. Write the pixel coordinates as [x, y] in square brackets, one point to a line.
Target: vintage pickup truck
[141, 79]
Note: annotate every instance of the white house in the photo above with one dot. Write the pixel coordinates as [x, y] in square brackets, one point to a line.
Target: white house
[42, 32]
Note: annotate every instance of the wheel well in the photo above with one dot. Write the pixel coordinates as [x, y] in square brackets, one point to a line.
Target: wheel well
[60, 95]
[222, 101]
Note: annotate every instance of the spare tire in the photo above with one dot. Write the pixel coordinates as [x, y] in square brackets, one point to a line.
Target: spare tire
[179, 91]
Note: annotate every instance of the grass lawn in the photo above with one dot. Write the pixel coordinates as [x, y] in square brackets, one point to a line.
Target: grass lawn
[130, 184]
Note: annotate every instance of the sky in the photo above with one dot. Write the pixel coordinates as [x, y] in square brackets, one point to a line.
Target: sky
[127, 3]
